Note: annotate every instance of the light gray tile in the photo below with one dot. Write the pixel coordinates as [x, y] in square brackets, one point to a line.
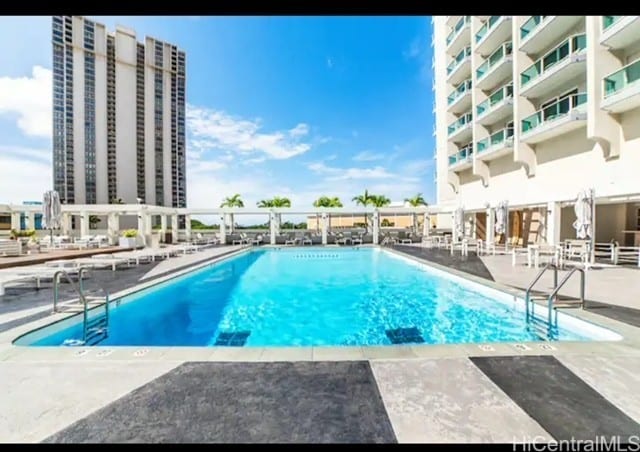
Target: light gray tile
[449, 400]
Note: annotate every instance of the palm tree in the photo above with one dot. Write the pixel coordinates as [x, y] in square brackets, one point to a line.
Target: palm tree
[325, 201]
[233, 201]
[380, 201]
[364, 199]
[416, 201]
[265, 203]
[276, 201]
[281, 202]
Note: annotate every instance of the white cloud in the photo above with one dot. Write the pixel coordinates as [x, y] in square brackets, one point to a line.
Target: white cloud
[23, 179]
[367, 156]
[204, 166]
[215, 129]
[29, 99]
[329, 63]
[417, 167]
[334, 174]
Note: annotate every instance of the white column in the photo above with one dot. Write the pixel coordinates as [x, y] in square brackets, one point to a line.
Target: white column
[113, 227]
[174, 228]
[223, 230]
[31, 218]
[426, 225]
[15, 220]
[65, 223]
[454, 230]
[272, 227]
[325, 227]
[490, 226]
[231, 223]
[84, 224]
[554, 211]
[163, 224]
[187, 227]
[376, 226]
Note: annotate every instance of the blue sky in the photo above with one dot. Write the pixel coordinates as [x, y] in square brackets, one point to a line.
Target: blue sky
[289, 106]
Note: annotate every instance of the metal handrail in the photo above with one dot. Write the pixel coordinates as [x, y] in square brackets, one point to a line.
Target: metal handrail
[535, 280]
[80, 291]
[554, 294]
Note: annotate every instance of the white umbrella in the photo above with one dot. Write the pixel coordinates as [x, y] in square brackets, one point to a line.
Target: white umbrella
[51, 211]
[582, 208]
[459, 222]
[501, 218]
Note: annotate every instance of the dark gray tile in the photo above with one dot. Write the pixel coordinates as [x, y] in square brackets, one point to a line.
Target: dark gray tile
[562, 403]
[317, 402]
[470, 264]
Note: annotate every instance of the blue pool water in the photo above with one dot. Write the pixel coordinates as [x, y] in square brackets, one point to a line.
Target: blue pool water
[312, 296]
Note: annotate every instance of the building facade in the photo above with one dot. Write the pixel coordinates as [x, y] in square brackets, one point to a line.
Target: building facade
[118, 116]
[532, 110]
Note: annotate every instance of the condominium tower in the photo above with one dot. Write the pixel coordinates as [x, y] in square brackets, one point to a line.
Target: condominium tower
[118, 116]
[532, 110]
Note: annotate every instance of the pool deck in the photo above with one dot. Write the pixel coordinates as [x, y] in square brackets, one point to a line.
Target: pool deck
[498, 392]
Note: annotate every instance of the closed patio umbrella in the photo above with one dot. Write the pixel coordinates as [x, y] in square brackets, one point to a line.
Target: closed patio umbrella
[459, 222]
[502, 213]
[583, 210]
[51, 211]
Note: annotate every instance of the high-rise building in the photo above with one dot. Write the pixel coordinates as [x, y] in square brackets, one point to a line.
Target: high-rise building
[118, 116]
[532, 110]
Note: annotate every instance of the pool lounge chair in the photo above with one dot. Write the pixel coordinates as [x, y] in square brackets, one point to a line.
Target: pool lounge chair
[257, 240]
[108, 261]
[306, 240]
[291, 240]
[7, 278]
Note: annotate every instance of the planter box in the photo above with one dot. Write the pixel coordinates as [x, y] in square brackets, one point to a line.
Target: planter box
[128, 242]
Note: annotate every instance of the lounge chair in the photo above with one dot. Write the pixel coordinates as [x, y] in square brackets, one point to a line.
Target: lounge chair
[257, 240]
[10, 247]
[7, 278]
[306, 240]
[107, 261]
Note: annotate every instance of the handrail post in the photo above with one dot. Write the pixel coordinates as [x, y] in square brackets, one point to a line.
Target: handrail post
[56, 281]
[582, 288]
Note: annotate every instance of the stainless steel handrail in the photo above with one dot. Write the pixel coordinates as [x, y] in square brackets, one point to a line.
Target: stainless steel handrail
[555, 291]
[535, 280]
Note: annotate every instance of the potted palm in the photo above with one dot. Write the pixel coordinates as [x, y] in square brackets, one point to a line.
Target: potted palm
[128, 239]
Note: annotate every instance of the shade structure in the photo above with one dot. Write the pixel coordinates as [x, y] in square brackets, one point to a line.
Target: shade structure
[51, 210]
[458, 218]
[502, 213]
[583, 209]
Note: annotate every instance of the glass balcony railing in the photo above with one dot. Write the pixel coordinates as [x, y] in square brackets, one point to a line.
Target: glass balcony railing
[619, 80]
[463, 155]
[459, 123]
[459, 91]
[496, 57]
[460, 57]
[530, 25]
[557, 110]
[495, 138]
[607, 21]
[488, 25]
[464, 20]
[494, 98]
[568, 47]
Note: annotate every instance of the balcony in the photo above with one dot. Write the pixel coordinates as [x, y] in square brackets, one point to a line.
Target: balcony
[452, 20]
[460, 99]
[619, 32]
[540, 32]
[494, 32]
[460, 67]
[621, 89]
[459, 36]
[496, 68]
[497, 107]
[460, 130]
[563, 63]
[496, 145]
[564, 115]
[462, 159]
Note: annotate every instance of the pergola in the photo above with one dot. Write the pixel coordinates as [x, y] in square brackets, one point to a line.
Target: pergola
[144, 214]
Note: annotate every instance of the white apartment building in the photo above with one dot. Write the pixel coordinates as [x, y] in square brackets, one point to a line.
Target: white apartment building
[118, 116]
[532, 110]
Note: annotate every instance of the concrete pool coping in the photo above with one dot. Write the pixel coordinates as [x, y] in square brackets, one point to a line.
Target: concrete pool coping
[628, 345]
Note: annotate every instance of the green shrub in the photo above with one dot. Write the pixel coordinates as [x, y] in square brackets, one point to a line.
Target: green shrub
[27, 233]
[130, 233]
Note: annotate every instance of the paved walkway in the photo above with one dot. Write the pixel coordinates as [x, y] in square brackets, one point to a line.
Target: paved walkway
[478, 399]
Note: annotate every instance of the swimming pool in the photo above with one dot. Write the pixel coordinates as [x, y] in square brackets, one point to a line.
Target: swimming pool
[314, 297]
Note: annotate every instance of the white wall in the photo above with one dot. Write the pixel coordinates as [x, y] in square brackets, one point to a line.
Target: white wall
[102, 184]
[126, 175]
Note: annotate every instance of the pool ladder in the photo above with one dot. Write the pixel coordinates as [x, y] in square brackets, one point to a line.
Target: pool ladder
[548, 327]
[96, 327]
